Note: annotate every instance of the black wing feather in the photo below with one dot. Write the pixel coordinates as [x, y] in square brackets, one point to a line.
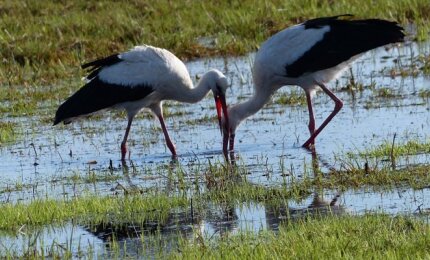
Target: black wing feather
[96, 66]
[97, 95]
[107, 61]
[345, 39]
[322, 21]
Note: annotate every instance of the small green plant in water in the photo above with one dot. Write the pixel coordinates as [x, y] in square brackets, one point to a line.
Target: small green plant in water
[7, 132]
[424, 93]
[385, 93]
[293, 97]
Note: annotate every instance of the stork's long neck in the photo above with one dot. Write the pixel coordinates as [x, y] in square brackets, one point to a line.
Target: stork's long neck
[194, 95]
[246, 109]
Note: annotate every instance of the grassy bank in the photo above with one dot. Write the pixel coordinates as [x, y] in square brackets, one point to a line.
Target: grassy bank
[42, 42]
[367, 237]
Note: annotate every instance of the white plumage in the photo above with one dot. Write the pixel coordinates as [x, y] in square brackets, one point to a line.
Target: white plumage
[276, 52]
[147, 65]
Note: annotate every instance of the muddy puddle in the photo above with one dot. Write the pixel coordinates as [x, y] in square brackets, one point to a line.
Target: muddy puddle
[47, 161]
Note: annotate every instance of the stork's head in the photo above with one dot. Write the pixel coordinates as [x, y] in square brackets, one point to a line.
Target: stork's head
[218, 84]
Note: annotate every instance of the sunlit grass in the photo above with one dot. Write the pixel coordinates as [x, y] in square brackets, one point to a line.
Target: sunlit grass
[393, 148]
[44, 42]
[136, 208]
[373, 236]
[356, 176]
[366, 237]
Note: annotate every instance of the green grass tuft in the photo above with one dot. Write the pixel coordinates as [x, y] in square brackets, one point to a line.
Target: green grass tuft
[8, 132]
[133, 208]
[347, 237]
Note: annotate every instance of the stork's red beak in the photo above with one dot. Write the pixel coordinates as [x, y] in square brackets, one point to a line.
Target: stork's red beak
[221, 109]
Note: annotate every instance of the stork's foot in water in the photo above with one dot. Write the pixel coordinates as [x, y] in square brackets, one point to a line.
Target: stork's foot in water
[232, 158]
[225, 153]
[309, 145]
[174, 158]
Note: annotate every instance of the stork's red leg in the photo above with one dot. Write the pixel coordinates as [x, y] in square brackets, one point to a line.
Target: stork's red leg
[232, 156]
[338, 106]
[311, 125]
[232, 142]
[226, 139]
[169, 143]
[124, 141]
[225, 145]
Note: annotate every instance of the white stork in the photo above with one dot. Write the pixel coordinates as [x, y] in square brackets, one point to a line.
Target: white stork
[141, 77]
[309, 55]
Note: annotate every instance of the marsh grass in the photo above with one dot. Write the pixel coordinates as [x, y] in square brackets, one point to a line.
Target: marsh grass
[44, 42]
[365, 237]
[311, 237]
[134, 208]
[352, 176]
[138, 207]
[92, 176]
[227, 185]
[245, 192]
[216, 183]
[393, 148]
[18, 186]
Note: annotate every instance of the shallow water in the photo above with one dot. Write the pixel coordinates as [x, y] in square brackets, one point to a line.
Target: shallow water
[268, 144]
